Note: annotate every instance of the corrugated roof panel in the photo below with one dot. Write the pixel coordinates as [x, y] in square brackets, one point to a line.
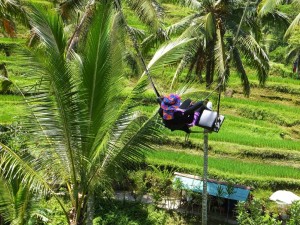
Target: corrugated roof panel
[196, 185]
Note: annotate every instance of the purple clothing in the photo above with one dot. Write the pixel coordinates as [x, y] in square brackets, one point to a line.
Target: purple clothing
[195, 120]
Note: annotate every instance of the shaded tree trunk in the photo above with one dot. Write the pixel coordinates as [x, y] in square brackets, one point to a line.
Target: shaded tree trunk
[210, 63]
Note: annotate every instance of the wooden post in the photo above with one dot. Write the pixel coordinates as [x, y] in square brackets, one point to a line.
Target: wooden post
[205, 174]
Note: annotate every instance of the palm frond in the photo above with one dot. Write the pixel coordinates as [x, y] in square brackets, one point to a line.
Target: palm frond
[83, 22]
[269, 14]
[292, 54]
[293, 25]
[101, 75]
[220, 54]
[210, 26]
[28, 170]
[40, 119]
[10, 11]
[127, 106]
[183, 24]
[132, 61]
[25, 168]
[134, 142]
[250, 23]
[39, 215]
[22, 203]
[168, 54]
[49, 27]
[154, 40]
[6, 201]
[193, 58]
[195, 30]
[116, 149]
[267, 6]
[43, 124]
[65, 107]
[18, 204]
[255, 55]
[241, 71]
[276, 18]
[138, 33]
[183, 63]
[149, 11]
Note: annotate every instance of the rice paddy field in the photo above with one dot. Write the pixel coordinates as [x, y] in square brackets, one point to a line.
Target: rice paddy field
[258, 144]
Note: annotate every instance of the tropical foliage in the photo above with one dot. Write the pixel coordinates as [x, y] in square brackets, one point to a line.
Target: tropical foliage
[85, 129]
[214, 26]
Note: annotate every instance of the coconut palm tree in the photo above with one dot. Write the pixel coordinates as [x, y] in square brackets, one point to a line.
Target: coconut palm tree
[273, 22]
[213, 26]
[84, 127]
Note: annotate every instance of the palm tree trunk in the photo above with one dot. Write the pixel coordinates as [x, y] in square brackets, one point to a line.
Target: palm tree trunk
[74, 39]
[205, 166]
[90, 209]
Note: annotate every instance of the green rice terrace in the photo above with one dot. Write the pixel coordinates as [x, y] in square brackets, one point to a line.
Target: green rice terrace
[50, 106]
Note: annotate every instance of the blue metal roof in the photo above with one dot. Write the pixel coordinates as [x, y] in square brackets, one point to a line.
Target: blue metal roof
[194, 183]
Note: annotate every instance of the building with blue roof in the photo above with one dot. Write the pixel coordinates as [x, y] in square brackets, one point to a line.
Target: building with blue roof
[195, 183]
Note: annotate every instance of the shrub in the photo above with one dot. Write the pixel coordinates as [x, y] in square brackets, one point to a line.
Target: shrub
[278, 54]
[253, 212]
[138, 183]
[133, 213]
[278, 69]
[294, 214]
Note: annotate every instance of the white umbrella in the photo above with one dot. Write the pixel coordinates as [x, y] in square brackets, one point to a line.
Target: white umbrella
[284, 197]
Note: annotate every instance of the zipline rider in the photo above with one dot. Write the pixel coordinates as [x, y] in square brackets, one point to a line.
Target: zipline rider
[179, 115]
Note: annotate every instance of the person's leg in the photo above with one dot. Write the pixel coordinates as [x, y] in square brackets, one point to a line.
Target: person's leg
[185, 104]
[195, 119]
[201, 109]
[198, 112]
[194, 107]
